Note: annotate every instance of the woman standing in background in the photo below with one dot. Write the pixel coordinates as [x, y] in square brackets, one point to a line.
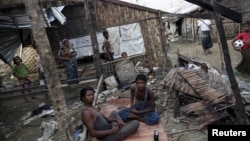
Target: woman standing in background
[72, 70]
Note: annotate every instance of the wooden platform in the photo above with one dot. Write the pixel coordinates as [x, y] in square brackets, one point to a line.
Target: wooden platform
[40, 90]
[145, 132]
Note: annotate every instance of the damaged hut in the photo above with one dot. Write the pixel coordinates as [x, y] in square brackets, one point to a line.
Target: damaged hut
[94, 16]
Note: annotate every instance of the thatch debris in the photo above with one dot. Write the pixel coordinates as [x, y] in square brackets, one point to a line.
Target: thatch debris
[203, 94]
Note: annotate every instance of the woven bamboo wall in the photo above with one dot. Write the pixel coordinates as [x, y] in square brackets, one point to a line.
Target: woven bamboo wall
[110, 13]
[152, 42]
[189, 28]
[29, 55]
[245, 10]
[113, 14]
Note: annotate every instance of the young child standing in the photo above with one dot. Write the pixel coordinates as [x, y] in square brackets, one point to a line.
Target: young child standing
[244, 64]
[20, 71]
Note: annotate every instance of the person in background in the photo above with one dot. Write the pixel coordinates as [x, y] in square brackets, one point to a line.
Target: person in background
[104, 128]
[142, 103]
[206, 31]
[72, 70]
[107, 49]
[124, 55]
[244, 65]
[20, 71]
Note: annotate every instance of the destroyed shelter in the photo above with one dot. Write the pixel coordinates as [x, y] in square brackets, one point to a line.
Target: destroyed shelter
[153, 36]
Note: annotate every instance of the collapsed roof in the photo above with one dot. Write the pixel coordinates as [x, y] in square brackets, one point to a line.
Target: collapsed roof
[15, 29]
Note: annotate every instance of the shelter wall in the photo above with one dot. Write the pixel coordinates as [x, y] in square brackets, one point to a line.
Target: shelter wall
[110, 15]
[189, 27]
[113, 14]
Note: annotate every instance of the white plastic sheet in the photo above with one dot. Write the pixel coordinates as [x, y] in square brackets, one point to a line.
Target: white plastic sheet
[126, 38]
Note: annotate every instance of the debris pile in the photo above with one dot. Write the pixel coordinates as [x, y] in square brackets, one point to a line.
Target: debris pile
[204, 94]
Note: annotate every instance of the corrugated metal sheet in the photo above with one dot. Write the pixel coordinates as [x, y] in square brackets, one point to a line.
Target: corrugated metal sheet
[14, 21]
[14, 29]
[10, 41]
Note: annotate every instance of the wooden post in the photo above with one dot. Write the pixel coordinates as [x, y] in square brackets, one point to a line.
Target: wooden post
[185, 29]
[98, 90]
[91, 26]
[165, 48]
[193, 29]
[34, 12]
[239, 107]
[177, 105]
[221, 55]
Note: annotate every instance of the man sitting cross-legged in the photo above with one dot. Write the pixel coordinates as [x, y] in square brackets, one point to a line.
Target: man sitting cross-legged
[142, 103]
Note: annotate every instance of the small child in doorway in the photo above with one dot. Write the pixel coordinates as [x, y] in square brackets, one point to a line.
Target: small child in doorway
[66, 53]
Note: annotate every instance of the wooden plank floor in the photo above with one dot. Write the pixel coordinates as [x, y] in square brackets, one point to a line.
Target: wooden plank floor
[145, 132]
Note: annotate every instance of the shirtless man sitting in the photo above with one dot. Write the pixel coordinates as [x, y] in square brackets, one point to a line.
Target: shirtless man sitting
[142, 103]
[104, 128]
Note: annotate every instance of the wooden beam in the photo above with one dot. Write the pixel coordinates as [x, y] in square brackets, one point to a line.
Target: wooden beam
[129, 22]
[239, 107]
[44, 3]
[203, 4]
[55, 3]
[191, 15]
[98, 90]
[130, 5]
[121, 59]
[224, 11]
[13, 91]
[163, 37]
[41, 90]
[91, 25]
[56, 93]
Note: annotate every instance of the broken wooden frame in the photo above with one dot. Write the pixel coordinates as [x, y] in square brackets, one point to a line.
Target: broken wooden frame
[109, 67]
[196, 96]
[218, 11]
[42, 90]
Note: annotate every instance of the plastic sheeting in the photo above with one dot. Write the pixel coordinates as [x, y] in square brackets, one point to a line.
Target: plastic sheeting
[126, 38]
[182, 7]
[131, 39]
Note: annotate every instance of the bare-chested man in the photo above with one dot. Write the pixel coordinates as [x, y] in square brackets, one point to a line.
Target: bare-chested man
[142, 103]
[104, 128]
[109, 54]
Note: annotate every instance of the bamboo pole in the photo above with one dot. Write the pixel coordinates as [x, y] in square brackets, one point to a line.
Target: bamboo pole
[97, 90]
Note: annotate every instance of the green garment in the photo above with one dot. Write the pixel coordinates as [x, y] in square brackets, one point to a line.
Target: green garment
[20, 71]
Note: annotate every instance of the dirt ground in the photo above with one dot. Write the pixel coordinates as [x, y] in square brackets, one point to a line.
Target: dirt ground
[216, 59]
[11, 128]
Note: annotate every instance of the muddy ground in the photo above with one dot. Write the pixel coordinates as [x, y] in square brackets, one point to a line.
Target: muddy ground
[12, 111]
[216, 59]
